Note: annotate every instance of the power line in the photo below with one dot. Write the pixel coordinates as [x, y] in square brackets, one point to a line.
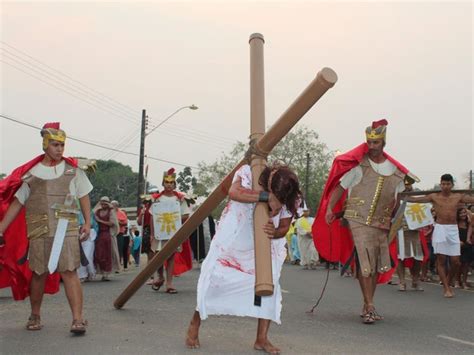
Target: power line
[77, 97]
[64, 83]
[69, 77]
[95, 144]
[198, 132]
[206, 132]
[125, 141]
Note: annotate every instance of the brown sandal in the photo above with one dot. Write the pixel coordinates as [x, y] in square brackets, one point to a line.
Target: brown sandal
[369, 317]
[78, 326]
[34, 322]
[377, 316]
[157, 285]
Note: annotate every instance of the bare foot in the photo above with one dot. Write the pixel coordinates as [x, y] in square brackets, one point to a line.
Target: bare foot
[449, 293]
[192, 337]
[267, 347]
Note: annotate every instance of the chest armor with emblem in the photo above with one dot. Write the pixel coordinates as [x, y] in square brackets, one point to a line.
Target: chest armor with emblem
[372, 200]
[41, 217]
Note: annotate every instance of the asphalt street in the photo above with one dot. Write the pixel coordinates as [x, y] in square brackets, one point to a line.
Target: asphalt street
[155, 322]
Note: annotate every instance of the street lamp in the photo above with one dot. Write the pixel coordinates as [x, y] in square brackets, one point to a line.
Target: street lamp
[191, 107]
[141, 180]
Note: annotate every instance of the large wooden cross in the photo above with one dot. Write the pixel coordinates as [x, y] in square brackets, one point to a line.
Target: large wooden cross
[261, 144]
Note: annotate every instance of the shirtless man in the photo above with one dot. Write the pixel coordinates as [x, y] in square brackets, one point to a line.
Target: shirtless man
[445, 241]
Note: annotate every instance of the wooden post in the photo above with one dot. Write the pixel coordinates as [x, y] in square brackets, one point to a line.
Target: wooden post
[325, 80]
[422, 193]
[263, 257]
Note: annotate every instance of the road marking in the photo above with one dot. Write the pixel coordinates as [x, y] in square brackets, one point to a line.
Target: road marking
[455, 340]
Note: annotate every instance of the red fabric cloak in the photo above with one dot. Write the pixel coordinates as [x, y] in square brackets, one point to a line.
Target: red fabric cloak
[334, 242]
[12, 274]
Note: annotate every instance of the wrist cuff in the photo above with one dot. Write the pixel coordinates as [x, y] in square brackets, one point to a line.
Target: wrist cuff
[264, 196]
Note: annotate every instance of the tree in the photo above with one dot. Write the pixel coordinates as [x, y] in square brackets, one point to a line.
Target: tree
[292, 150]
[2, 175]
[116, 181]
[185, 180]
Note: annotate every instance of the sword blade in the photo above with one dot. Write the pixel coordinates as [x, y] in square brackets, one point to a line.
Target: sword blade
[57, 245]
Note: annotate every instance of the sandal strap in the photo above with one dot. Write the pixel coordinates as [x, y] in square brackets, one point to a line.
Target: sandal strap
[369, 317]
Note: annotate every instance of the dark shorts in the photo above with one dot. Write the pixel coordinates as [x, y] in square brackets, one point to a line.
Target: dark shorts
[146, 248]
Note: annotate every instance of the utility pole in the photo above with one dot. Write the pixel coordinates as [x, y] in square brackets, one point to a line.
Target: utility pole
[141, 180]
[470, 179]
[306, 185]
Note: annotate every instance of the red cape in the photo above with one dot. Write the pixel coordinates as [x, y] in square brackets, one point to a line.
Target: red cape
[12, 274]
[334, 242]
[183, 261]
[157, 195]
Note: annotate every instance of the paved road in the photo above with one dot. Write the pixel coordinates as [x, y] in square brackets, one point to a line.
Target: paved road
[155, 323]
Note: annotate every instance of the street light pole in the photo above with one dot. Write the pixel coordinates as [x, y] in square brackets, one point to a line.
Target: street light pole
[191, 107]
[144, 134]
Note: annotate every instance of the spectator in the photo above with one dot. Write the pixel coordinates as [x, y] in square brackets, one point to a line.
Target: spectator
[106, 218]
[123, 240]
[136, 244]
[309, 255]
[87, 273]
[465, 236]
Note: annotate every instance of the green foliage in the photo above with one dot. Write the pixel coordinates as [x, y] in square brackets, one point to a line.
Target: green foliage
[292, 150]
[115, 180]
[2, 175]
[185, 180]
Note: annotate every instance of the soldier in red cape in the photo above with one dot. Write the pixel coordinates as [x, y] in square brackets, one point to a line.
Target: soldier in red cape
[38, 215]
[362, 186]
[169, 210]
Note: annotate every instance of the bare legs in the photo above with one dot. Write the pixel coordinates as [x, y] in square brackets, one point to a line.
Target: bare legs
[37, 292]
[73, 289]
[415, 275]
[261, 342]
[401, 275]
[169, 272]
[368, 286]
[441, 265]
[192, 337]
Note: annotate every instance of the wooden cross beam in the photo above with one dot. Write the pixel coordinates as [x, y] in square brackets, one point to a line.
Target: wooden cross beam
[325, 79]
[423, 193]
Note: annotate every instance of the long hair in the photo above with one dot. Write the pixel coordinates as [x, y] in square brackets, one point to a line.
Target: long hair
[284, 185]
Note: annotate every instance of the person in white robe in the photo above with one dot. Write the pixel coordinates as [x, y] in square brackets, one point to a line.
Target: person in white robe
[227, 280]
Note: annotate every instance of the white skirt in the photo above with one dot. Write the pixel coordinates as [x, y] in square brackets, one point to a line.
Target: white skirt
[446, 240]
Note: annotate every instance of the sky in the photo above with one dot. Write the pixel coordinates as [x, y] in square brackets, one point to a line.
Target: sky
[94, 66]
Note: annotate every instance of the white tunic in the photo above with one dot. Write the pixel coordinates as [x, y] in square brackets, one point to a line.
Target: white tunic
[227, 280]
[79, 187]
[354, 176]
